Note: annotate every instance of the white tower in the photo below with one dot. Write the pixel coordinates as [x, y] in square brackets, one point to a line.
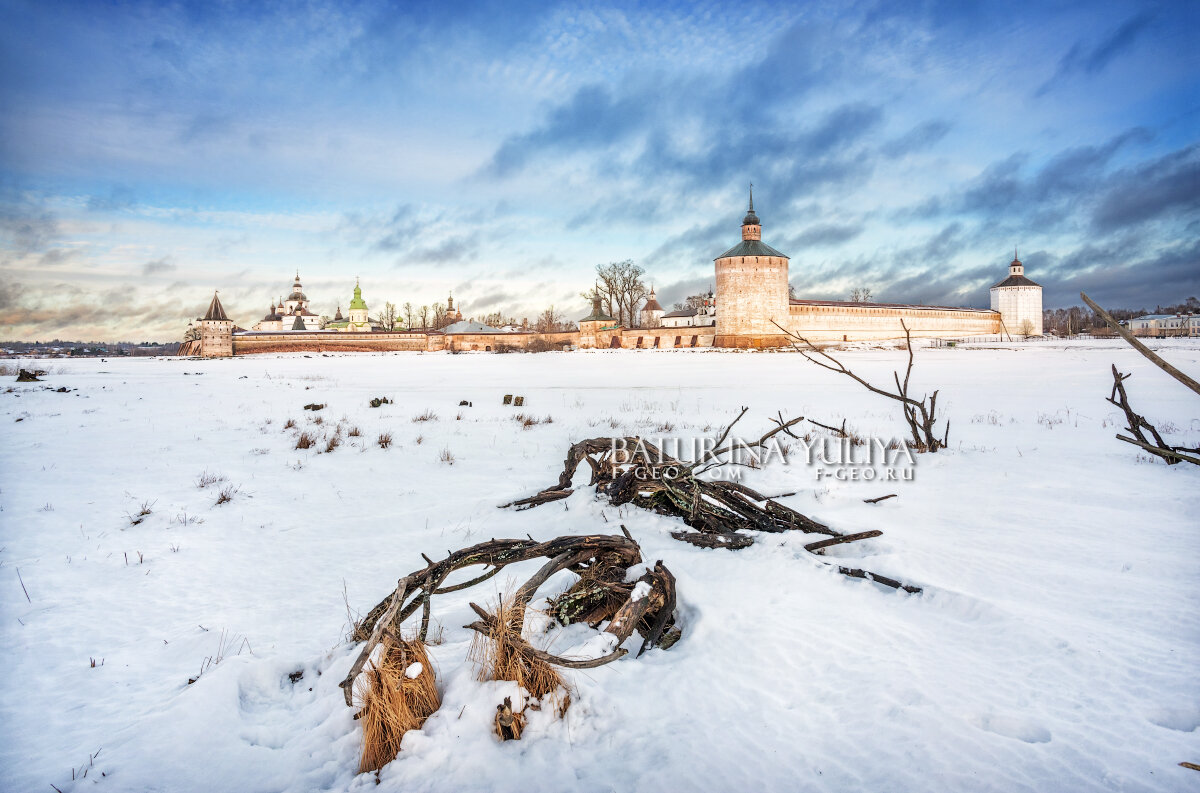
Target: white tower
[1019, 302]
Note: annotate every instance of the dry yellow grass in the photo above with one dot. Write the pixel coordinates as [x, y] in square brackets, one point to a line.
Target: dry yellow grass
[503, 655]
[392, 703]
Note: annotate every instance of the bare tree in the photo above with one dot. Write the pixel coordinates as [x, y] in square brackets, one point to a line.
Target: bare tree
[860, 295]
[439, 316]
[550, 321]
[424, 313]
[920, 415]
[387, 317]
[621, 289]
[408, 315]
[1026, 328]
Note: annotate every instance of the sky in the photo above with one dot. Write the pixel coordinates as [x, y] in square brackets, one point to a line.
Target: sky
[153, 153]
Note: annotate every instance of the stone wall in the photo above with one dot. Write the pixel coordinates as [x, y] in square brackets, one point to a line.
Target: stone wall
[301, 341]
[835, 322]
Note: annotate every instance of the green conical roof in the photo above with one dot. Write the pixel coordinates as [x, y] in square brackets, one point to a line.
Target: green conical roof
[358, 302]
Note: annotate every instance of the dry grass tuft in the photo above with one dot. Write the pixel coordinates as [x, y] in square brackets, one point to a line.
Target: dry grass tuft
[354, 432]
[305, 441]
[333, 442]
[504, 655]
[392, 702]
[227, 493]
[291, 424]
[446, 457]
[205, 479]
[384, 440]
[428, 415]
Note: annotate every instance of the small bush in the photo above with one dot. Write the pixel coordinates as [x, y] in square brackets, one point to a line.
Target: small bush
[428, 415]
[305, 441]
[384, 440]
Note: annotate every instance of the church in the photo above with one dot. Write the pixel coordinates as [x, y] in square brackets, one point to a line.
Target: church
[750, 308]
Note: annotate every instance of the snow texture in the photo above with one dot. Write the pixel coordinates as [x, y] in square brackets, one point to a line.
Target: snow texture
[1055, 647]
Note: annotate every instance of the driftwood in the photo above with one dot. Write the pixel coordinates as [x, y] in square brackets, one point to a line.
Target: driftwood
[582, 554]
[721, 514]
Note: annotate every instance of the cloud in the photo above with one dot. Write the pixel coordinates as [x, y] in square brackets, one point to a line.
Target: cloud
[26, 226]
[826, 234]
[163, 265]
[120, 197]
[919, 137]
[1092, 60]
[1152, 190]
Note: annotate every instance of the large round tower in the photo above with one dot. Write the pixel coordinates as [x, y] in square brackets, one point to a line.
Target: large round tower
[752, 290]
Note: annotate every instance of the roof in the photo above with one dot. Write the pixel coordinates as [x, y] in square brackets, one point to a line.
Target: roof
[216, 310]
[1165, 316]
[683, 312]
[597, 314]
[652, 305]
[298, 324]
[470, 327]
[357, 301]
[752, 248]
[847, 303]
[1016, 280]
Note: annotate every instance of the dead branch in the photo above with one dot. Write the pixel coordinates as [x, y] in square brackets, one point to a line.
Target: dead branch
[721, 514]
[920, 415]
[1136, 423]
[820, 546]
[881, 498]
[1152, 356]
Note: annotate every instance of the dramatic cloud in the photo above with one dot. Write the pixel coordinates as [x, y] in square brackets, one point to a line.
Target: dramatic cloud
[897, 146]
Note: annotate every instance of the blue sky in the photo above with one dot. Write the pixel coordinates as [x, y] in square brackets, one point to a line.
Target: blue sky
[150, 153]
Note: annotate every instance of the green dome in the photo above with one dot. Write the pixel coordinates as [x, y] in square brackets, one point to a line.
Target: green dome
[358, 302]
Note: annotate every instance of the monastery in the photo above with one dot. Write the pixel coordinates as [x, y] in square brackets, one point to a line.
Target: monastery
[750, 308]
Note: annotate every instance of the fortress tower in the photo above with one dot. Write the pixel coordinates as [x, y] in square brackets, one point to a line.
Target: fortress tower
[1019, 301]
[216, 332]
[752, 290]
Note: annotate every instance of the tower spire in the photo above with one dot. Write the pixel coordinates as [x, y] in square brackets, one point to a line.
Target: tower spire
[752, 196]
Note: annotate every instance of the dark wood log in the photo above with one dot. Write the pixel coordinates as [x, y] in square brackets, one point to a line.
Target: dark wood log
[731, 541]
[881, 498]
[820, 546]
[878, 579]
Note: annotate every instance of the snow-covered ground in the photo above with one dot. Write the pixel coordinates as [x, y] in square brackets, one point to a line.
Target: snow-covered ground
[1056, 646]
